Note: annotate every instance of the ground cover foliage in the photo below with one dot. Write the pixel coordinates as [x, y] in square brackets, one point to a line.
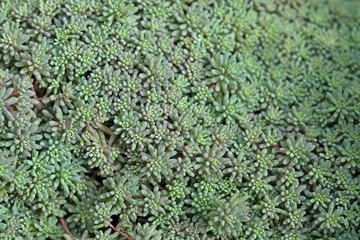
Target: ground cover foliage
[179, 119]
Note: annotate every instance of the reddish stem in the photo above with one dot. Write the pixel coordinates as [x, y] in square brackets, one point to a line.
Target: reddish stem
[107, 147]
[34, 85]
[12, 94]
[277, 147]
[212, 85]
[8, 108]
[15, 49]
[116, 230]
[38, 98]
[63, 223]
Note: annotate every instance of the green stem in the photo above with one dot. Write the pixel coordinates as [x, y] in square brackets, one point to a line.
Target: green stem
[105, 129]
[30, 74]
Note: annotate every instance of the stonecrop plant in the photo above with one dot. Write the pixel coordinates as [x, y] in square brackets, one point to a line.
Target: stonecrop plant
[180, 119]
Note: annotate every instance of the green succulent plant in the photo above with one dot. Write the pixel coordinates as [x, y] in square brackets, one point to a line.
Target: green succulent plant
[179, 120]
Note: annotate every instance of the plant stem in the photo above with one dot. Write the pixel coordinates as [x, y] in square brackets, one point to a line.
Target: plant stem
[116, 230]
[63, 223]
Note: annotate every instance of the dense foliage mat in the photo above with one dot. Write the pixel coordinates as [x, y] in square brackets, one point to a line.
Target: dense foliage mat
[179, 119]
